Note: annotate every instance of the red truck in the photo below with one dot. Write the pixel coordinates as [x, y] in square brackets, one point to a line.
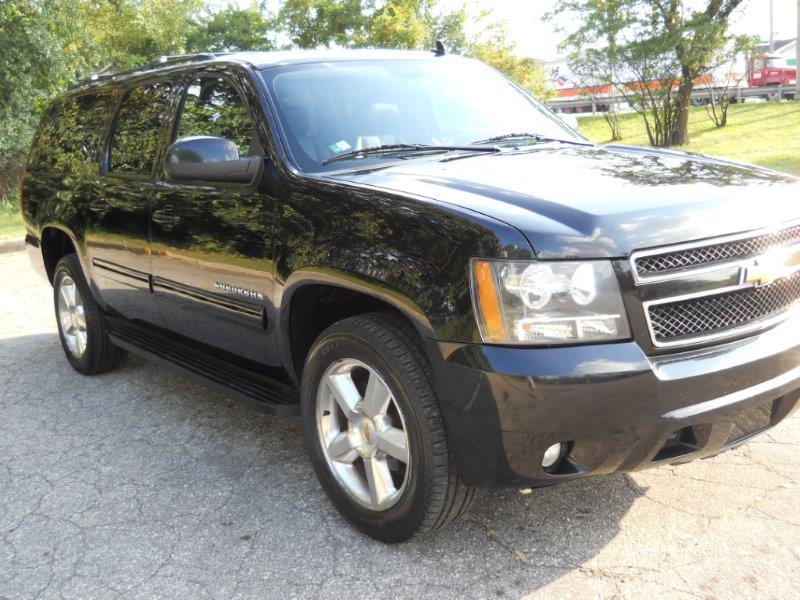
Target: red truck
[770, 69]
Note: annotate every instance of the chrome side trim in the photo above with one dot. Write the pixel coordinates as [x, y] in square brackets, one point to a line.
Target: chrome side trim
[717, 266]
[121, 270]
[229, 304]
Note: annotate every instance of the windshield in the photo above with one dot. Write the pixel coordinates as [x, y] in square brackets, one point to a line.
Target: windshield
[332, 109]
[777, 63]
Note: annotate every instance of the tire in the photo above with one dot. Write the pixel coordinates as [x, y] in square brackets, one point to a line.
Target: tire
[428, 493]
[91, 353]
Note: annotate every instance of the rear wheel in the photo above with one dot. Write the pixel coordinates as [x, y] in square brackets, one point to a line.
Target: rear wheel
[374, 430]
[81, 326]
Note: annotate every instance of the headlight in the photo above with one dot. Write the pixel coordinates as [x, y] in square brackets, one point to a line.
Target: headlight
[529, 303]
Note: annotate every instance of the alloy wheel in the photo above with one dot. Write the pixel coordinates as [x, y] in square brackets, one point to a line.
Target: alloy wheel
[363, 434]
[72, 316]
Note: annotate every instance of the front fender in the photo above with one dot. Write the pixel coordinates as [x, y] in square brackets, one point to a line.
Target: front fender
[353, 282]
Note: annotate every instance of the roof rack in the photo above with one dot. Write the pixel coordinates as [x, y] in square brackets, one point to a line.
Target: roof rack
[162, 61]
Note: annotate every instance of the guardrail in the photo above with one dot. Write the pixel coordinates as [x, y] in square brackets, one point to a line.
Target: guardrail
[599, 104]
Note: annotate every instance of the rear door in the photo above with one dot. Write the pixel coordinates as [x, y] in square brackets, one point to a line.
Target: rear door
[118, 216]
[212, 242]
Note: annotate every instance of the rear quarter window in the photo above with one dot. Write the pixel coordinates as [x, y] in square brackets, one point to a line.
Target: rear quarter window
[70, 133]
[139, 124]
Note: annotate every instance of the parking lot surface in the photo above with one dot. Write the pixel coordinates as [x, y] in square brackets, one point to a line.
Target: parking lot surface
[139, 484]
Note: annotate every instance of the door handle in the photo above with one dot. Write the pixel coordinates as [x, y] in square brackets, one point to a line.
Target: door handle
[166, 217]
[99, 205]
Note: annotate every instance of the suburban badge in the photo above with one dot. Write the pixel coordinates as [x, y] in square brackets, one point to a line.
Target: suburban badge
[234, 289]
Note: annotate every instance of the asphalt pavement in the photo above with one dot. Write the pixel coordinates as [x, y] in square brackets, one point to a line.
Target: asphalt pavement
[140, 484]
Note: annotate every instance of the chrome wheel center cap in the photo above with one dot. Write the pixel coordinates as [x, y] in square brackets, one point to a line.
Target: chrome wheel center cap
[365, 436]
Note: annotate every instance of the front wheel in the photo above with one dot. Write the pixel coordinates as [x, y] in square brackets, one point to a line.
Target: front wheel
[374, 430]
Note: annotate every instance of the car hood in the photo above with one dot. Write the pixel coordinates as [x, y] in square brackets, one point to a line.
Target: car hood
[599, 202]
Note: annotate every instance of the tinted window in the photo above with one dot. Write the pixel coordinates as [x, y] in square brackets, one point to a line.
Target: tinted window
[214, 107]
[69, 135]
[139, 123]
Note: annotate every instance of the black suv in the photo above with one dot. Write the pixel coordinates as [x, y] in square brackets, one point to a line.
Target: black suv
[449, 286]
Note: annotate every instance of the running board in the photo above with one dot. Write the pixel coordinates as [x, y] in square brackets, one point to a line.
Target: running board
[256, 391]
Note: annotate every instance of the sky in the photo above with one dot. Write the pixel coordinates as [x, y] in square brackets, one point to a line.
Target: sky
[537, 38]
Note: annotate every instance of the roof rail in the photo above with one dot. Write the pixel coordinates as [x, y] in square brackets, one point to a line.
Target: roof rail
[175, 59]
[163, 61]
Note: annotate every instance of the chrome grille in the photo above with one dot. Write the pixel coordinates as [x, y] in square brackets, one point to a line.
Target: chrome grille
[656, 264]
[708, 315]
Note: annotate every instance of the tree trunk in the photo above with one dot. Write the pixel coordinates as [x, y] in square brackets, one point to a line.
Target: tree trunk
[679, 135]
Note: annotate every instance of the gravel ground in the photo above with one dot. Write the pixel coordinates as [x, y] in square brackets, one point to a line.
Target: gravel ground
[139, 484]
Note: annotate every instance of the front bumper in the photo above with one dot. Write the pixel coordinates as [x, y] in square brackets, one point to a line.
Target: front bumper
[618, 409]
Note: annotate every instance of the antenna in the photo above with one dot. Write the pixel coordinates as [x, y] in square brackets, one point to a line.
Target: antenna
[440, 49]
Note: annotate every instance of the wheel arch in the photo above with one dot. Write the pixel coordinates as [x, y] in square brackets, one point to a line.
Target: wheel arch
[55, 243]
[313, 299]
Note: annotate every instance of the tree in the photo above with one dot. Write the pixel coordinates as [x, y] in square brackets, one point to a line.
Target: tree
[46, 45]
[658, 45]
[232, 29]
[495, 50]
[416, 25]
[32, 69]
[315, 23]
[125, 33]
[594, 66]
[408, 24]
[724, 81]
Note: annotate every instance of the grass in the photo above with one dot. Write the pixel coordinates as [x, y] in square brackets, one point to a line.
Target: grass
[765, 134]
[11, 225]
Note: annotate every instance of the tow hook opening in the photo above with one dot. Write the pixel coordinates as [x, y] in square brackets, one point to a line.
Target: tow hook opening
[681, 442]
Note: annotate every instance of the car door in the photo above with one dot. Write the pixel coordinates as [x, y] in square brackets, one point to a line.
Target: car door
[118, 211]
[212, 242]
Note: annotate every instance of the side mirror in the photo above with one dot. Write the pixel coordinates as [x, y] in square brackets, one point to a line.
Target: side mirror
[207, 158]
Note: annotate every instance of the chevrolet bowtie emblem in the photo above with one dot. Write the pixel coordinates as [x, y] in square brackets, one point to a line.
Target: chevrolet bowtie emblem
[777, 264]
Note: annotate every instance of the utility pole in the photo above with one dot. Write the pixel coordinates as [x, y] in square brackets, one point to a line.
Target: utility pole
[797, 57]
[771, 26]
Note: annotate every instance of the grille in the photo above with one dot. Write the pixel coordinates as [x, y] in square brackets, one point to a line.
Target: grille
[698, 257]
[676, 321]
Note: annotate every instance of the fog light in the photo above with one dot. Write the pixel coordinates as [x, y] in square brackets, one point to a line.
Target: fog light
[551, 455]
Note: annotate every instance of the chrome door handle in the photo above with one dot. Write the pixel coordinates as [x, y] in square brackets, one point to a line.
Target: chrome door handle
[99, 205]
[166, 218]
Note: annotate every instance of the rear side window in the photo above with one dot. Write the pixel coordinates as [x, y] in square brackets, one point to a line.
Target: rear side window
[139, 123]
[214, 107]
[70, 132]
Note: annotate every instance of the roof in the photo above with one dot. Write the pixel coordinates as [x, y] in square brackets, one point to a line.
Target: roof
[262, 60]
[779, 46]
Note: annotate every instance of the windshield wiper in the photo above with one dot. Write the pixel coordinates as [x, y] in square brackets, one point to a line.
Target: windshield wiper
[533, 137]
[405, 148]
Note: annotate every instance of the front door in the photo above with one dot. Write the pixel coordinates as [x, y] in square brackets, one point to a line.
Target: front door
[118, 215]
[212, 242]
